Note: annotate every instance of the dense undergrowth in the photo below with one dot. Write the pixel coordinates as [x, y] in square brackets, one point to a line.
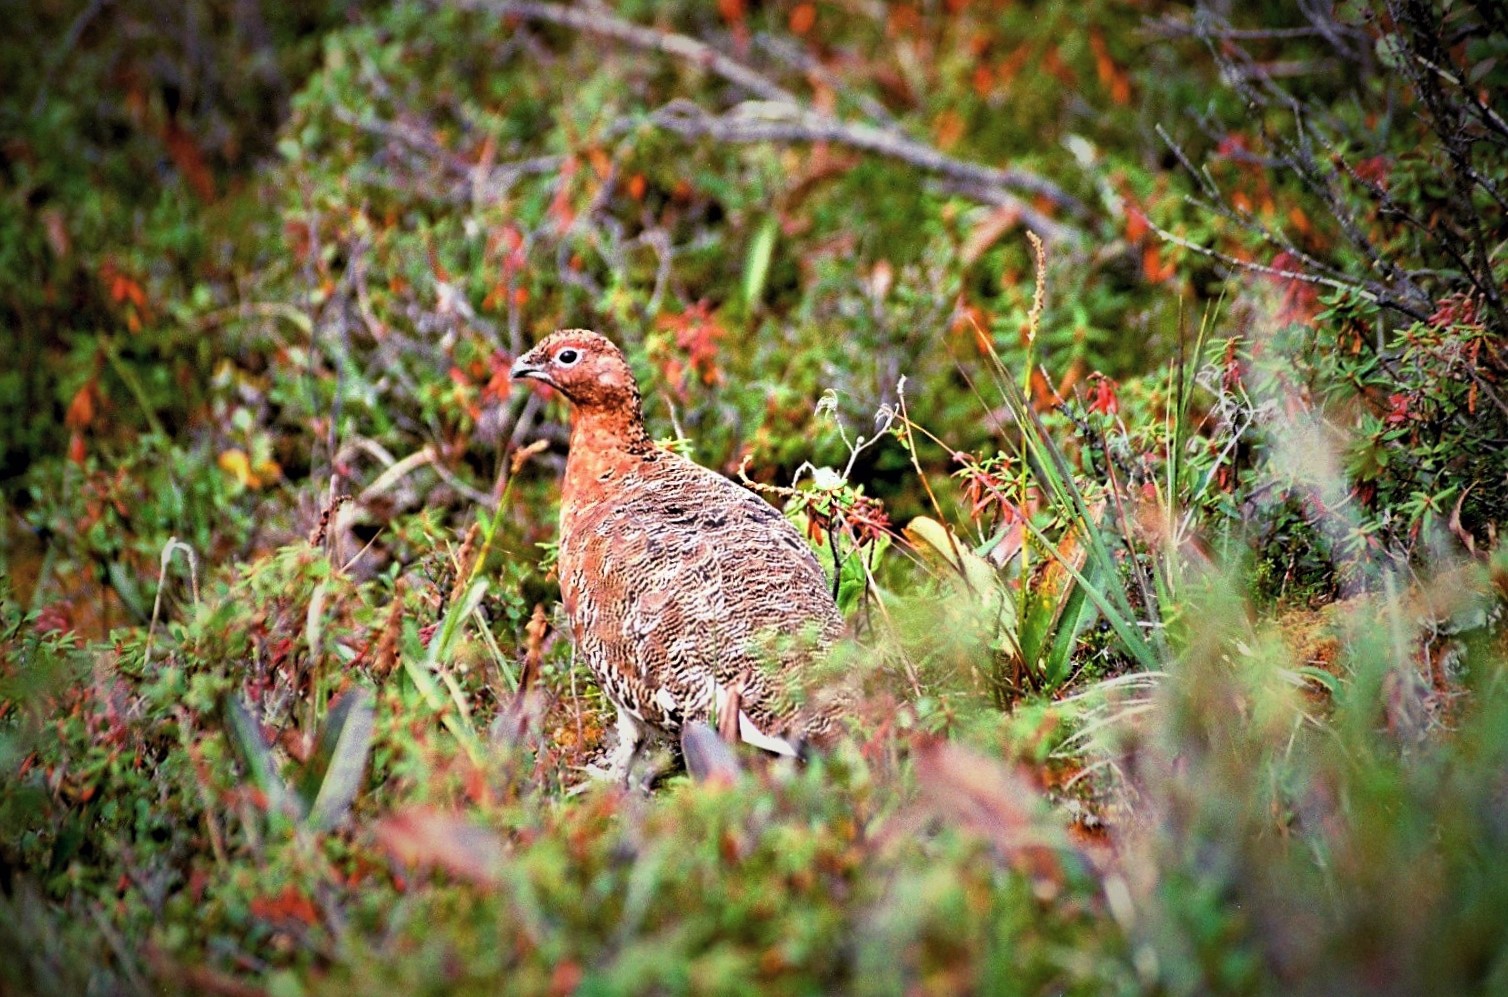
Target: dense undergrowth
[1168, 540]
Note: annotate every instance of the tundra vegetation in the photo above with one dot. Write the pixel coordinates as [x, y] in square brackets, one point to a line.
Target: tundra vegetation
[1135, 368]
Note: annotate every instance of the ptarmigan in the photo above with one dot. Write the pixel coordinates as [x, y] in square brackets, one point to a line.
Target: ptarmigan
[682, 588]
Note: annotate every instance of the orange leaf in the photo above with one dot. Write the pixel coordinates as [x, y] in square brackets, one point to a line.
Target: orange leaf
[1153, 267]
[949, 129]
[984, 80]
[1042, 393]
[565, 978]
[1112, 77]
[803, 16]
[1011, 66]
[902, 21]
[290, 905]
[1136, 223]
[1052, 61]
[81, 410]
[731, 10]
[983, 342]
[560, 205]
[1071, 377]
[602, 164]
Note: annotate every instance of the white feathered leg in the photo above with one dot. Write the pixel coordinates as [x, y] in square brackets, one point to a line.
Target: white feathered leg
[630, 740]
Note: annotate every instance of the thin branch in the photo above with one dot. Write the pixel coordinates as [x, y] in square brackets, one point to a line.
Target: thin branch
[599, 22]
[781, 116]
[761, 122]
[1373, 293]
[797, 57]
[65, 48]
[1171, 27]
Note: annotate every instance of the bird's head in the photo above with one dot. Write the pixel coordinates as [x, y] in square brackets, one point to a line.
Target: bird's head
[585, 367]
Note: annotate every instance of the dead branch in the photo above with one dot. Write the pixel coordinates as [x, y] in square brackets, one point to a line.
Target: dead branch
[761, 121]
[599, 22]
[1369, 290]
[781, 116]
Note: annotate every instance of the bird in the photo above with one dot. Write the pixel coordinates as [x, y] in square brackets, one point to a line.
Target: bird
[688, 596]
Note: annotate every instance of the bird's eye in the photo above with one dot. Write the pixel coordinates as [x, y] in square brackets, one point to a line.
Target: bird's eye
[567, 357]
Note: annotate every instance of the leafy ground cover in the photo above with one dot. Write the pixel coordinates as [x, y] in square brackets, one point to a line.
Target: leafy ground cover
[1141, 383]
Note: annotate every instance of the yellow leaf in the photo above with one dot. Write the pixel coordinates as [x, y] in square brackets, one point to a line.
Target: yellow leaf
[932, 537]
[236, 464]
[266, 472]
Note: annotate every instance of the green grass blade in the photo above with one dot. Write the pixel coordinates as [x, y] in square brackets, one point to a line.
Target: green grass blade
[335, 771]
[247, 741]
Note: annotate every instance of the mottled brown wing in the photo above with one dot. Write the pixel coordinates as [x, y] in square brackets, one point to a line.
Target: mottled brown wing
[677, 582]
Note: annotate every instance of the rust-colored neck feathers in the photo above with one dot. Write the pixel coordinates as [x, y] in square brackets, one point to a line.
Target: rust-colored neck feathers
[607, 419]
[608, 414]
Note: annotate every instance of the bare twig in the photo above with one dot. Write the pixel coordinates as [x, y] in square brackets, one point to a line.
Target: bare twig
[1174, 27]
[764, 122]
[65, 48]
[781, 116]
[599, 22]
[794, 55]
[1373, 293]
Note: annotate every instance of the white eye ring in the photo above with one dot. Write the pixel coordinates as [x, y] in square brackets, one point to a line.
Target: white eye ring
[568, 357]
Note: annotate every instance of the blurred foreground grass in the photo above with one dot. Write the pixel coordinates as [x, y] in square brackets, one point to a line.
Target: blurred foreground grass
[1168, 544]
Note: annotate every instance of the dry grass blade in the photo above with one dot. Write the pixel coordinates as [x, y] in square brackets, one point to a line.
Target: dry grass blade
[727, 716]
[174, 977]
[982, 795]
[522, 715]
[428, 837]
[709, 758]
[173, 544]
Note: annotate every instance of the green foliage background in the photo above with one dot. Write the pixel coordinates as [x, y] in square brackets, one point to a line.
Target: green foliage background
[1188, 682]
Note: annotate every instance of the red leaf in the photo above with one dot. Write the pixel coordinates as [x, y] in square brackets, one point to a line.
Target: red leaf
[1102, 397]
[1374, 171]
[1300, 302]
[55, 617]
[697, 332]
[1398, 409]
[994, 801]
[189, 159]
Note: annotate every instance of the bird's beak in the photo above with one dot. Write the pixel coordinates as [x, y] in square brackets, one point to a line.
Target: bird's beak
[524, 370]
